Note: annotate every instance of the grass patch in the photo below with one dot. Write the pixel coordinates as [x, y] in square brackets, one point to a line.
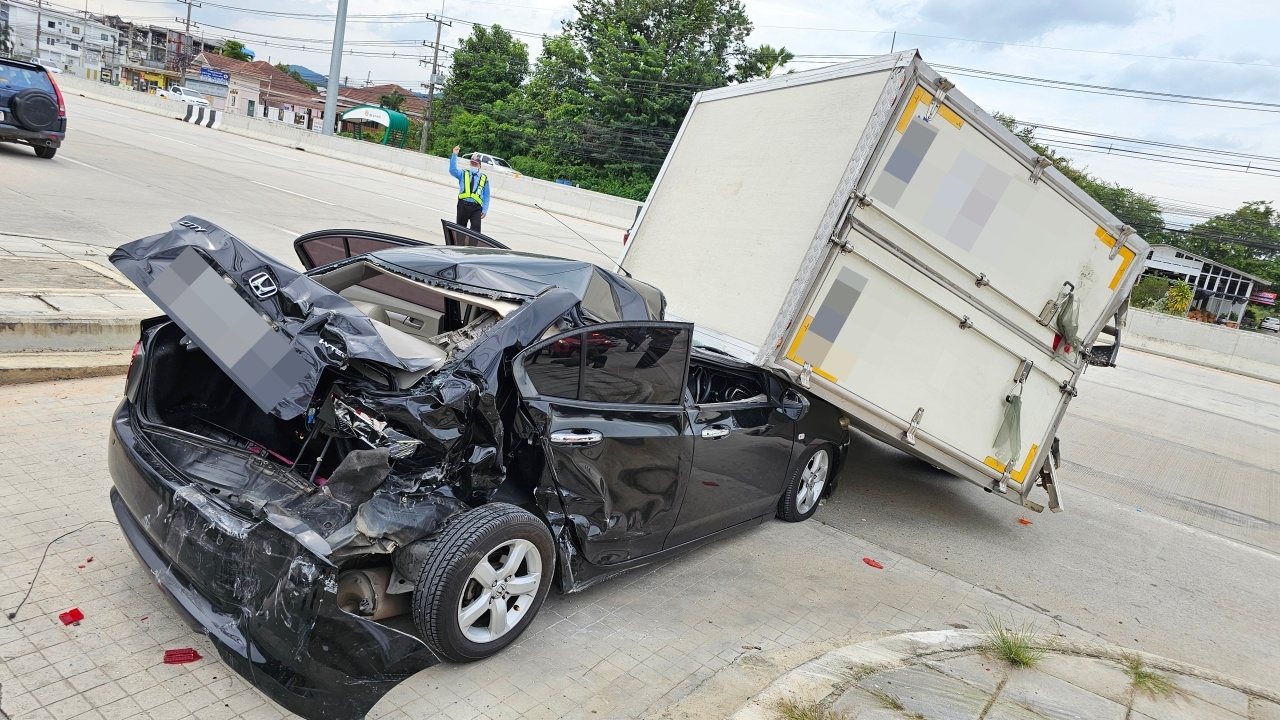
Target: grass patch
[893, 703]
[1016, 644]
[790, 709]
[1146, 679]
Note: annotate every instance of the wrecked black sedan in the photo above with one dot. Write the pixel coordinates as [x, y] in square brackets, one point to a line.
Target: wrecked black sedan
[346, 475]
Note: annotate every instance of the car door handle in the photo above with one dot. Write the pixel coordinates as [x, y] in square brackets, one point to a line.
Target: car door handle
[573, 437]
[714, 432]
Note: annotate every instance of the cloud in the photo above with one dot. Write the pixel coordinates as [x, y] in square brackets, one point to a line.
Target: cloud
[1016, 20]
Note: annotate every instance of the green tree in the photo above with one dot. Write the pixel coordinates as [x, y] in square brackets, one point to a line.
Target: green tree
[488, 66]
[1149, 291]
[1247, 239]
[1138, 211]
[762, 62]
[394, 101]
[234, 49]
[282, 67]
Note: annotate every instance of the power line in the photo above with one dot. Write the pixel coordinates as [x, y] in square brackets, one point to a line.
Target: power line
[1024, 45]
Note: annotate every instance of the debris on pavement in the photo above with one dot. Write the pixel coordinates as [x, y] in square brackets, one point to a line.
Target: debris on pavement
[1024, 521]
[872, 563]
[71, 617]
[181, 655]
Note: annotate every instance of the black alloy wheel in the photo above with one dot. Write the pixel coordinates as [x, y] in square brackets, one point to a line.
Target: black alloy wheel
[35, 110]
[483, 581]
[808, 480]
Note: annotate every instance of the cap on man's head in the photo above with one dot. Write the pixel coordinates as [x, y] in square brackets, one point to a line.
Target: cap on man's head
[475, 161]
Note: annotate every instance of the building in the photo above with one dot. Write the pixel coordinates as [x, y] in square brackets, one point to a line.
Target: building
[243, 87]
[1221, 290]
[349, 97]
[152, 56]
[77, 44]
[260, 89]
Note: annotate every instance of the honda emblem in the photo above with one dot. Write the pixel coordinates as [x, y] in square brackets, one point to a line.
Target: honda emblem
[263, 285]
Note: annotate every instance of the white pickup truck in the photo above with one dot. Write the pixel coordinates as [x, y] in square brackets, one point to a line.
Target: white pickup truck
[186, 95]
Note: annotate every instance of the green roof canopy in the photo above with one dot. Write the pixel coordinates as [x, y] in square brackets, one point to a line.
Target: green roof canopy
[397, 124]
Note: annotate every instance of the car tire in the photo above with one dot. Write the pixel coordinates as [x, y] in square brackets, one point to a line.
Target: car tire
[808, 479]
[470, 575]
[46, 152]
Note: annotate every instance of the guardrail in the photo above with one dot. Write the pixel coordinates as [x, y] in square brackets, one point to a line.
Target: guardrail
[562, 199]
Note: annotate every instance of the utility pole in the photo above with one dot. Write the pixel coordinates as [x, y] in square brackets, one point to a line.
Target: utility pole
[185, 53]
[431, 87]
[335, 69]
[39, 22]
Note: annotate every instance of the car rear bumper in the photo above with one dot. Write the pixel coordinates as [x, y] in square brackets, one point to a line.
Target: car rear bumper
[13, 133]
[264, 601]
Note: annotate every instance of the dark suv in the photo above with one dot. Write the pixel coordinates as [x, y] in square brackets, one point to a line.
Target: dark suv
[31, 107]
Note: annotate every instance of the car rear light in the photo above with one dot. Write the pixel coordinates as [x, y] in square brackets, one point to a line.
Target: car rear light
[132, 375]
[62, 112]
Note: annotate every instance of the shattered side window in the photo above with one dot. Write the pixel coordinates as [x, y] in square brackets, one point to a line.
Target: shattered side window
[554, 369]
[644, 365]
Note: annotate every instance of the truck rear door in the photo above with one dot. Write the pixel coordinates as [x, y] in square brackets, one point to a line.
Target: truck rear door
[939, 315]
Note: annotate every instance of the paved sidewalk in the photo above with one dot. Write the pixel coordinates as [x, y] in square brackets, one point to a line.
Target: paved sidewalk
[65, 312]
[957, 674]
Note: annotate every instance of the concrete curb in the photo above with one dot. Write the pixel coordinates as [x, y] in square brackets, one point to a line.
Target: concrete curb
[18, 368]
[33, 334]
[827, 676]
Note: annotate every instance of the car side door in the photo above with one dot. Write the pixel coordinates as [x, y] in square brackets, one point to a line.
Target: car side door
[742, 451]
[607, 402]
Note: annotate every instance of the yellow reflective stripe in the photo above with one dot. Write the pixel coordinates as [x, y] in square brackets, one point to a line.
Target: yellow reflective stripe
[1126, 255]
[795, 346]
[1017, 475]
[469, 195]
[924, 96]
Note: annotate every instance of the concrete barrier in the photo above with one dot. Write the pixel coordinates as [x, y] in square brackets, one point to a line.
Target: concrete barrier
[562, 199]
[1253, 354]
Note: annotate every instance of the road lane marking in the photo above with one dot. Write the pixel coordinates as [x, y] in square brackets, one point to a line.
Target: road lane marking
[410, 202]
[308, 197]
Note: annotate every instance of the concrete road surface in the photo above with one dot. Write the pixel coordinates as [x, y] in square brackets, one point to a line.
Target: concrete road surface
[124, 174]
[1169, 541]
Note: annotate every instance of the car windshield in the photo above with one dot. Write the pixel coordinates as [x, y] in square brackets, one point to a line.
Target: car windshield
[500, 162]
[19, 78]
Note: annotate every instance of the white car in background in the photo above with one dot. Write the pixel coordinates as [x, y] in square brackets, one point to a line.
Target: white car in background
[188, 96]
[491, 164]
[1271, 323]
[50, 66]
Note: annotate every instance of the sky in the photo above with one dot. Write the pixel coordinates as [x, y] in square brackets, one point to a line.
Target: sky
[1223, 49]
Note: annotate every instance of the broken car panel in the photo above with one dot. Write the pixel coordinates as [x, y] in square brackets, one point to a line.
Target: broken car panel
[300, 459]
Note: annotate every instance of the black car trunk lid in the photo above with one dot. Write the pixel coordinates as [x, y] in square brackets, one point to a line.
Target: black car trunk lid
[271, 329]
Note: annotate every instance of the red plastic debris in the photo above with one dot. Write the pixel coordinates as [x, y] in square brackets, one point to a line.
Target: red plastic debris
[873, 563]
[89, 559]
[143, 618]
[1024, 521]
[710, 483]
[180, 656]
[71, 617]
[80, 566]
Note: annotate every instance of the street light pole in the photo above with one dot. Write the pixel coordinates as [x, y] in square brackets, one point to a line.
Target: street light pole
[335, 70]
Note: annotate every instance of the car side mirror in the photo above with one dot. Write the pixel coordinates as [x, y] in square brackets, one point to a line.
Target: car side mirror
[794, 405]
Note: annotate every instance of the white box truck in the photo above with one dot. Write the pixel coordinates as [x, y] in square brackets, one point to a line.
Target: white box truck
[920, 266]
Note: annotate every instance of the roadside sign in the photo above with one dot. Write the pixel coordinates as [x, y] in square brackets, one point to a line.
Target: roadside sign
[214, 76]
[1263, 298]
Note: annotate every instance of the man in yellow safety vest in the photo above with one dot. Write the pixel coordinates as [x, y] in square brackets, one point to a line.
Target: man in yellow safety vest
[473, 191]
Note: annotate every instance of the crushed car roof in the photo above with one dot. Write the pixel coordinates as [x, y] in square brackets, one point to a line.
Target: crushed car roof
[604, 294]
